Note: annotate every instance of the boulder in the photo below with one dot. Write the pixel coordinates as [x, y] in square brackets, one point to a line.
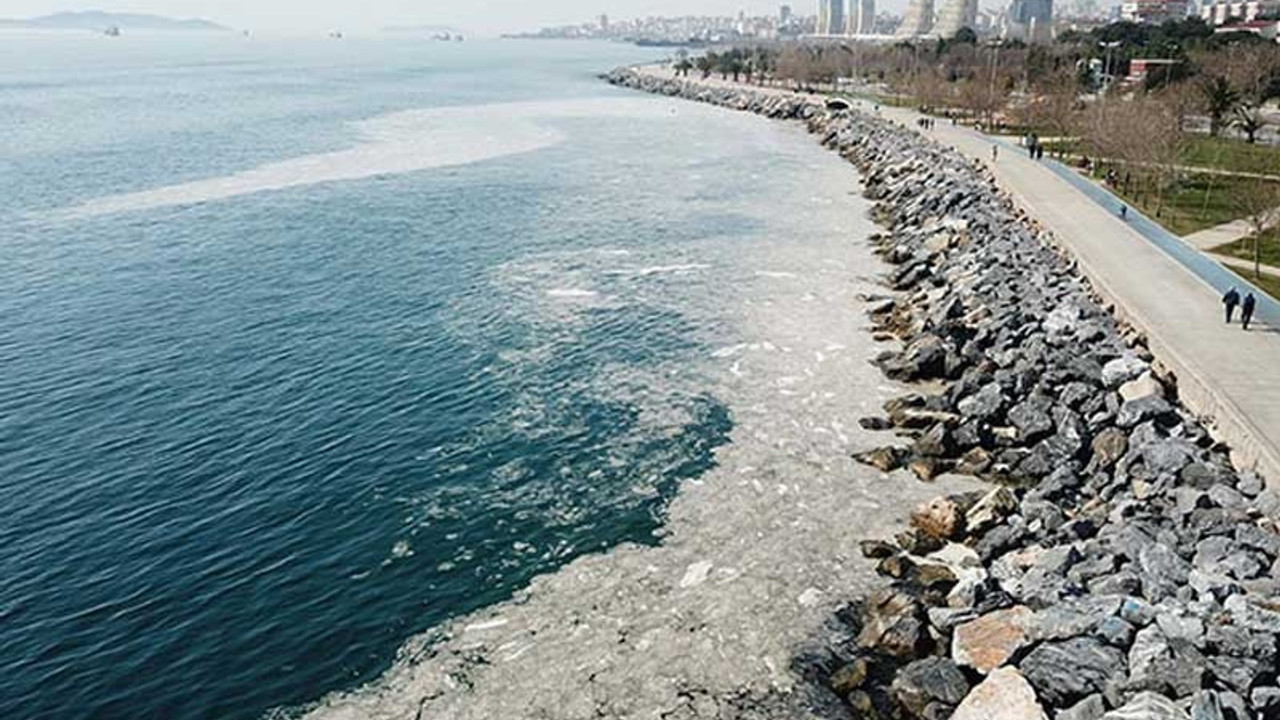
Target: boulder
[993, 508]
[1090, 708]
[849, 677]
[1254, 614]
[893, 624]
[1144, 387]
[928, 681]
[935, 442]
[928, 469]
[1108, 447]
[885, 459]
[1163, 571]
[990, 641]
[1066, 672]
[1032, 418]
[986, 404]
[1123, 369]
[1004, 695]
[1148, 706]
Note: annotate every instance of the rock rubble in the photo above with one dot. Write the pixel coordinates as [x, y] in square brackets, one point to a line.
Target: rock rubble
[1119, 567]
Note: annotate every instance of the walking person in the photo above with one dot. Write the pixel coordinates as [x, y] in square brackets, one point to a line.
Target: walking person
[1124, 212]
[1246, 310]
[1231, 300]
[995, 153]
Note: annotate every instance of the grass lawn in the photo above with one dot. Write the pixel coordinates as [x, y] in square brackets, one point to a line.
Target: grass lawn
[1228, 154]
[1270, 284]
[1243, 248]
[1195, 202]
[1208, 152]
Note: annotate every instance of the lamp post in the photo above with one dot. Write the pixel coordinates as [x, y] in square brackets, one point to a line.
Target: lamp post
[995, 65]
[1106, 66]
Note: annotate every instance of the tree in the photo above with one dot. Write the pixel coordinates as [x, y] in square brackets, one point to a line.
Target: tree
[1260, 207]
[1220, 100]
[1255, 72]
[1249, 120]
[706, 64]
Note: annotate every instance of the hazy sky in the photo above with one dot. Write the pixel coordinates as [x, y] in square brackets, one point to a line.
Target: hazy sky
[483, 16]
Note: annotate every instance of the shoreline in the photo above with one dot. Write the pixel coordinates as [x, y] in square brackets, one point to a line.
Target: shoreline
[1121, 562]
[757, 555]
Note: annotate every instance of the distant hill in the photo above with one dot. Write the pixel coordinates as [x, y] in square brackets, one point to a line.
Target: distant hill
[96, 20]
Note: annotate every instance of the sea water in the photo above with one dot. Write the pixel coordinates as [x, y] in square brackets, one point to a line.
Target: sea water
[307, 347]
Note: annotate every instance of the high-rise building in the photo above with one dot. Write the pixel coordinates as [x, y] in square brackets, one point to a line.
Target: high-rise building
[831, 17]
[862, 17]
[784, 15]
[1030, 21]
[954, 15]
[604, 23]
[918, 19]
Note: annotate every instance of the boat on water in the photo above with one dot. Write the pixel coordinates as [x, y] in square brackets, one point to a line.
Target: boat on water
[113, 31]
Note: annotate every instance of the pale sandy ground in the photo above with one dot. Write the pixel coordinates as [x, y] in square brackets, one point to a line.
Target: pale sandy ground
[759, 553]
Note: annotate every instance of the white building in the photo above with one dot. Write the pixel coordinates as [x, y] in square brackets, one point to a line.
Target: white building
[918, 19]
[1154, 12]
[954, 15]
[1220, 13]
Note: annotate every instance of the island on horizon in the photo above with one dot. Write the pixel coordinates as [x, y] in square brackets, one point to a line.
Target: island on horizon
[98, 20]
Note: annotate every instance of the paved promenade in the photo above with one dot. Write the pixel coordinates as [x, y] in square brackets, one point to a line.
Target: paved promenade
[1165, 287]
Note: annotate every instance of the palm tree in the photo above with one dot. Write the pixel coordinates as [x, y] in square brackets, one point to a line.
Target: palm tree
[1220, 100]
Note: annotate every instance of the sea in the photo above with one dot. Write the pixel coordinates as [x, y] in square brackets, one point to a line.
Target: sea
[308, 346]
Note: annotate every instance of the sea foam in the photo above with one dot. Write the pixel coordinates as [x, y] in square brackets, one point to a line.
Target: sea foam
[401, 142]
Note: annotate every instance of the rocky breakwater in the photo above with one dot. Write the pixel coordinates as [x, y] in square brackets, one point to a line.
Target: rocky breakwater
[1119, 567]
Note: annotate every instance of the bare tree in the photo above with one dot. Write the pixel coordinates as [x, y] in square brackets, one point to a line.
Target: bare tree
[1260, 207]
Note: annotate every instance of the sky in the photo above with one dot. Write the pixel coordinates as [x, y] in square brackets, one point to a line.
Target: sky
[486, 17]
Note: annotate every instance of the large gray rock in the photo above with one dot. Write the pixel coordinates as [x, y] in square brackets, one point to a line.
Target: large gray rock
[1254, 613]
[925, 682]
[1090, 708]
[986, 404]
[1164, 571]
[1148, 706]
[1066, 672]
[1122, 370]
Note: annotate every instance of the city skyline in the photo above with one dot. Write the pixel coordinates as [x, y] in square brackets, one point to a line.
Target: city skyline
[489, 18]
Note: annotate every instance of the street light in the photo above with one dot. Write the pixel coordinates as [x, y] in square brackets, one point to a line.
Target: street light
[1106, 67]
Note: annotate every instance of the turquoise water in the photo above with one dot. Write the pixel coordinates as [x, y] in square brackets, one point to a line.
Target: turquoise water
[310, 346]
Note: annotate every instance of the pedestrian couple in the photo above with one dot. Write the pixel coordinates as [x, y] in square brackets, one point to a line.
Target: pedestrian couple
[1232, 299]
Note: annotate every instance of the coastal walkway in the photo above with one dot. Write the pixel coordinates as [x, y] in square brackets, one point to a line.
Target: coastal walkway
[1166, 288]
[1219, 235]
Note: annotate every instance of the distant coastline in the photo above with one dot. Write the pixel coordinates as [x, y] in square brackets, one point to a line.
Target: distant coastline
[98, 21]
[638, 42]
